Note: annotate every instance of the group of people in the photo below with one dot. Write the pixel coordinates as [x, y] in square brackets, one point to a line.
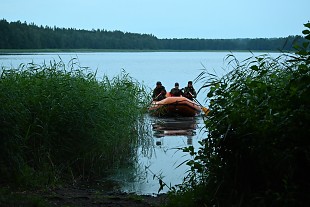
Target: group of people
[159, 93]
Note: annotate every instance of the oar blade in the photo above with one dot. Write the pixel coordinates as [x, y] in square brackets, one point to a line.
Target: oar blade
[205, 110]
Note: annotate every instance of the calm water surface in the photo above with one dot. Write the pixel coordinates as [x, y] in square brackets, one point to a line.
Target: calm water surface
[145, 67]
[162, 157]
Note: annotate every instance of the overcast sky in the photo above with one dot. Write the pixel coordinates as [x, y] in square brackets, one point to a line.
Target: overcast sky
[167, 18]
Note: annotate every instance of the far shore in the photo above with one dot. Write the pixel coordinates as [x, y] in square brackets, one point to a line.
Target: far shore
[25, 51]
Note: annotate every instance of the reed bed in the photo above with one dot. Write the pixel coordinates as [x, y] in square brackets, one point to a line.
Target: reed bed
[256, 152]
[59, 121]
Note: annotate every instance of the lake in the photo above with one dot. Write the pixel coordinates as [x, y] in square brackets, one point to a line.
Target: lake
[145, 67]
[162, 156]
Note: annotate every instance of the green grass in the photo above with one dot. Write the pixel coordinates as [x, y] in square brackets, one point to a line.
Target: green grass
[59, 121]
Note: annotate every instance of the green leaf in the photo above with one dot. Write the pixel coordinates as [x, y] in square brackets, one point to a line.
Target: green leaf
[190, 163]
[307, 25]
[254, 67]
[210, 94]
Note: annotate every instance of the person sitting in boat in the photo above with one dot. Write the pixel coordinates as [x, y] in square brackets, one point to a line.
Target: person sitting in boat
[176, 91]
[189, 91]
[159, 93]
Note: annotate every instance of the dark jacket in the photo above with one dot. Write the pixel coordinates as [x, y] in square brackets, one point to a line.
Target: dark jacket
[159, 93]
[176, 92]
[190, 93]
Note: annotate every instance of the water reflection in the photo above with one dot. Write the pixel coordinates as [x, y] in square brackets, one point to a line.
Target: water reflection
[177, 126]
[185, 126]
[159, 154]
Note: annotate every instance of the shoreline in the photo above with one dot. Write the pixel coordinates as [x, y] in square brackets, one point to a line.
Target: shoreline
[31, 51]
[76, 195]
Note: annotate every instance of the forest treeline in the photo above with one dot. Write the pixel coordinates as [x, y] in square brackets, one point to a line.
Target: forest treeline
[18, 35]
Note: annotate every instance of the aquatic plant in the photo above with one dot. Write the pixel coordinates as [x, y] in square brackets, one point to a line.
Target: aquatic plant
[59, 121]
[257, 152]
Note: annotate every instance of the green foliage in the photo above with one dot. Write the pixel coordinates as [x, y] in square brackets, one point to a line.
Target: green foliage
[17, 35]
[257, 152]
[58, 121]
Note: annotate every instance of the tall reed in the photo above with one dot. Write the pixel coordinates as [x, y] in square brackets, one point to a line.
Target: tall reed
[257, 149]
[58, 120]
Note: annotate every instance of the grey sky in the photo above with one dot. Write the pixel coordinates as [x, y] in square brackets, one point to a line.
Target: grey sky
[167, 18]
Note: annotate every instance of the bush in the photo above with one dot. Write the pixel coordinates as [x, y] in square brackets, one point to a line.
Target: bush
[257, 152]
[58, 120]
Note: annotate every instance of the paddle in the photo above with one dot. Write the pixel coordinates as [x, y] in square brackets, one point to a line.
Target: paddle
[204, 109]
[155, 98]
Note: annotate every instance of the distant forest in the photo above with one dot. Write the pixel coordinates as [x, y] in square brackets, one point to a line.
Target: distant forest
[18, 35]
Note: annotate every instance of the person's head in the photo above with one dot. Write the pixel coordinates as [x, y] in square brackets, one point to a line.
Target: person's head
[176, 85]
[190, 83]
[158, 84]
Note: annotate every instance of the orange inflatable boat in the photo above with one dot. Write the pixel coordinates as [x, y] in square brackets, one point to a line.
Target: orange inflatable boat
[174, 106]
